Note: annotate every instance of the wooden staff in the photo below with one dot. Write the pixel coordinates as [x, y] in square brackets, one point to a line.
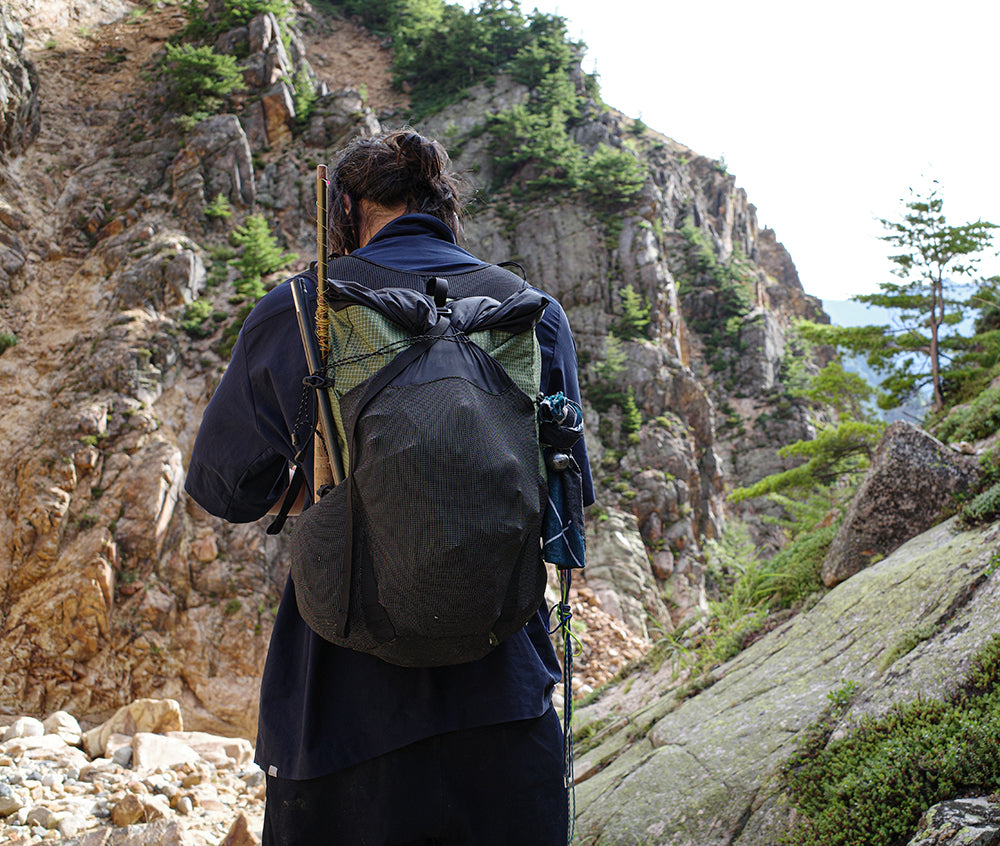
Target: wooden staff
[328, 465]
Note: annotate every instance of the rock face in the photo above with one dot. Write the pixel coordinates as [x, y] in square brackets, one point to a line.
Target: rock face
[912, 481]
[20, 113]
[704, 769]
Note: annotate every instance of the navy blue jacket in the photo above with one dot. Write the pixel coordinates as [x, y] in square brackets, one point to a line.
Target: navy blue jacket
[322, 707]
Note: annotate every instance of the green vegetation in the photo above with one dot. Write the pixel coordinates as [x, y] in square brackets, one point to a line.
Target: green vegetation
[724, 291]
[304, 96]
[831, 463]
[984, 506]
[229, 14]
[634, 322]
[979, 419]
[219, 208]
[260, 255]
[605, 391]
[441, 50]
[870, 787]
[836, 453]
[750, 588]
[7, 340]
[196, 317]
[200, 78]
[976, 360]
[930, 300]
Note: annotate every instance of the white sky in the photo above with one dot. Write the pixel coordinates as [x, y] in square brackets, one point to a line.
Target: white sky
[826, 114]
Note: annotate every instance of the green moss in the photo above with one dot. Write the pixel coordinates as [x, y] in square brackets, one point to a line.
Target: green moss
[907, 643]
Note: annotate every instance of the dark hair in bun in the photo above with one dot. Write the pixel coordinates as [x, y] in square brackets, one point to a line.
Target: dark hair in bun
[391, 169]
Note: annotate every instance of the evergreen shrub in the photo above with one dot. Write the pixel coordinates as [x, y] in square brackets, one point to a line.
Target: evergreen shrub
[870, 786]
[200, 78]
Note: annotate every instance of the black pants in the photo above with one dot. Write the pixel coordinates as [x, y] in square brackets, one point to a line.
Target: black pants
[494, 786]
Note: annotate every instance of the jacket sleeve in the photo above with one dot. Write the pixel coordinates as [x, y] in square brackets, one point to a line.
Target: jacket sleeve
[241, 456]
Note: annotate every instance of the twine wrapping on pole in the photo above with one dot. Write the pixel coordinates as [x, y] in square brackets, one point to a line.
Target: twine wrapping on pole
[325, 449]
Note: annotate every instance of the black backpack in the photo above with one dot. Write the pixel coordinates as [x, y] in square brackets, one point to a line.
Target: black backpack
[429, 552]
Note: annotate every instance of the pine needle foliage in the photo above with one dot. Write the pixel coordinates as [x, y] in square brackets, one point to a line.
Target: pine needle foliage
[260, 255]
[200, 78]
[229, 14]
[936, 265]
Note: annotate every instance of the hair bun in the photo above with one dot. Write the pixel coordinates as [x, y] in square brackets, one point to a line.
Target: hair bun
[422, 157]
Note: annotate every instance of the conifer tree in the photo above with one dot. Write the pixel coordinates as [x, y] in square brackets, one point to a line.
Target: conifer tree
[937, 264]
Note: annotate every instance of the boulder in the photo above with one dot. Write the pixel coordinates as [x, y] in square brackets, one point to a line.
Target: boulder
[911, 484]
[221, 752]
[338, 117]
[157, 751]
[172, 274]
[65, 726]
[143, 715]
[239, 833]
[23, 727]
[279, 113]
[216, 159]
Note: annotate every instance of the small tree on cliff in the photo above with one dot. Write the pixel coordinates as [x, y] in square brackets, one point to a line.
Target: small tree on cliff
[937, 263]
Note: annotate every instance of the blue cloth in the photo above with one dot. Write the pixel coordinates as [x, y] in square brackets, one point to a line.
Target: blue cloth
[324, 708]
[560, 428]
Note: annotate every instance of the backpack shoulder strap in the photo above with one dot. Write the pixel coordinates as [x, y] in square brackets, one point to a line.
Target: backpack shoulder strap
[489, 280]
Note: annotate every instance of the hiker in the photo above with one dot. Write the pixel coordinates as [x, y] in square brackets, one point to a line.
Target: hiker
[357, 750]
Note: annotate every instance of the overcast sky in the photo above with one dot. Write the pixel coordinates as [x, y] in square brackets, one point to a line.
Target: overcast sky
[826, 114]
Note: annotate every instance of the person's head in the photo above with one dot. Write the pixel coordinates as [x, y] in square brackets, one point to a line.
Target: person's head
[384, 176]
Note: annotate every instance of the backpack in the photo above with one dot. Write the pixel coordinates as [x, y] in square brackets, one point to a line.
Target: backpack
[428, 553]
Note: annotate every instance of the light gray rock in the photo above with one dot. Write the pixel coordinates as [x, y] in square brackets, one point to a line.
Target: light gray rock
[20, 111]
[619, 573]
[10, 802]
[23, 727]
[703, 770]
[338, 117]
[762, 344]
[221, 752]
[142, 715]
[153, 751]
[216, 159]
[65, 726]
[962, 822]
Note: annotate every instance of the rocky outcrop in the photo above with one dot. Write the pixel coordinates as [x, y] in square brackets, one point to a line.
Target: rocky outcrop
[663, 769]
[620, 575]
[962, 822]
[20, 112]
[912, 482]
[215, 160]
